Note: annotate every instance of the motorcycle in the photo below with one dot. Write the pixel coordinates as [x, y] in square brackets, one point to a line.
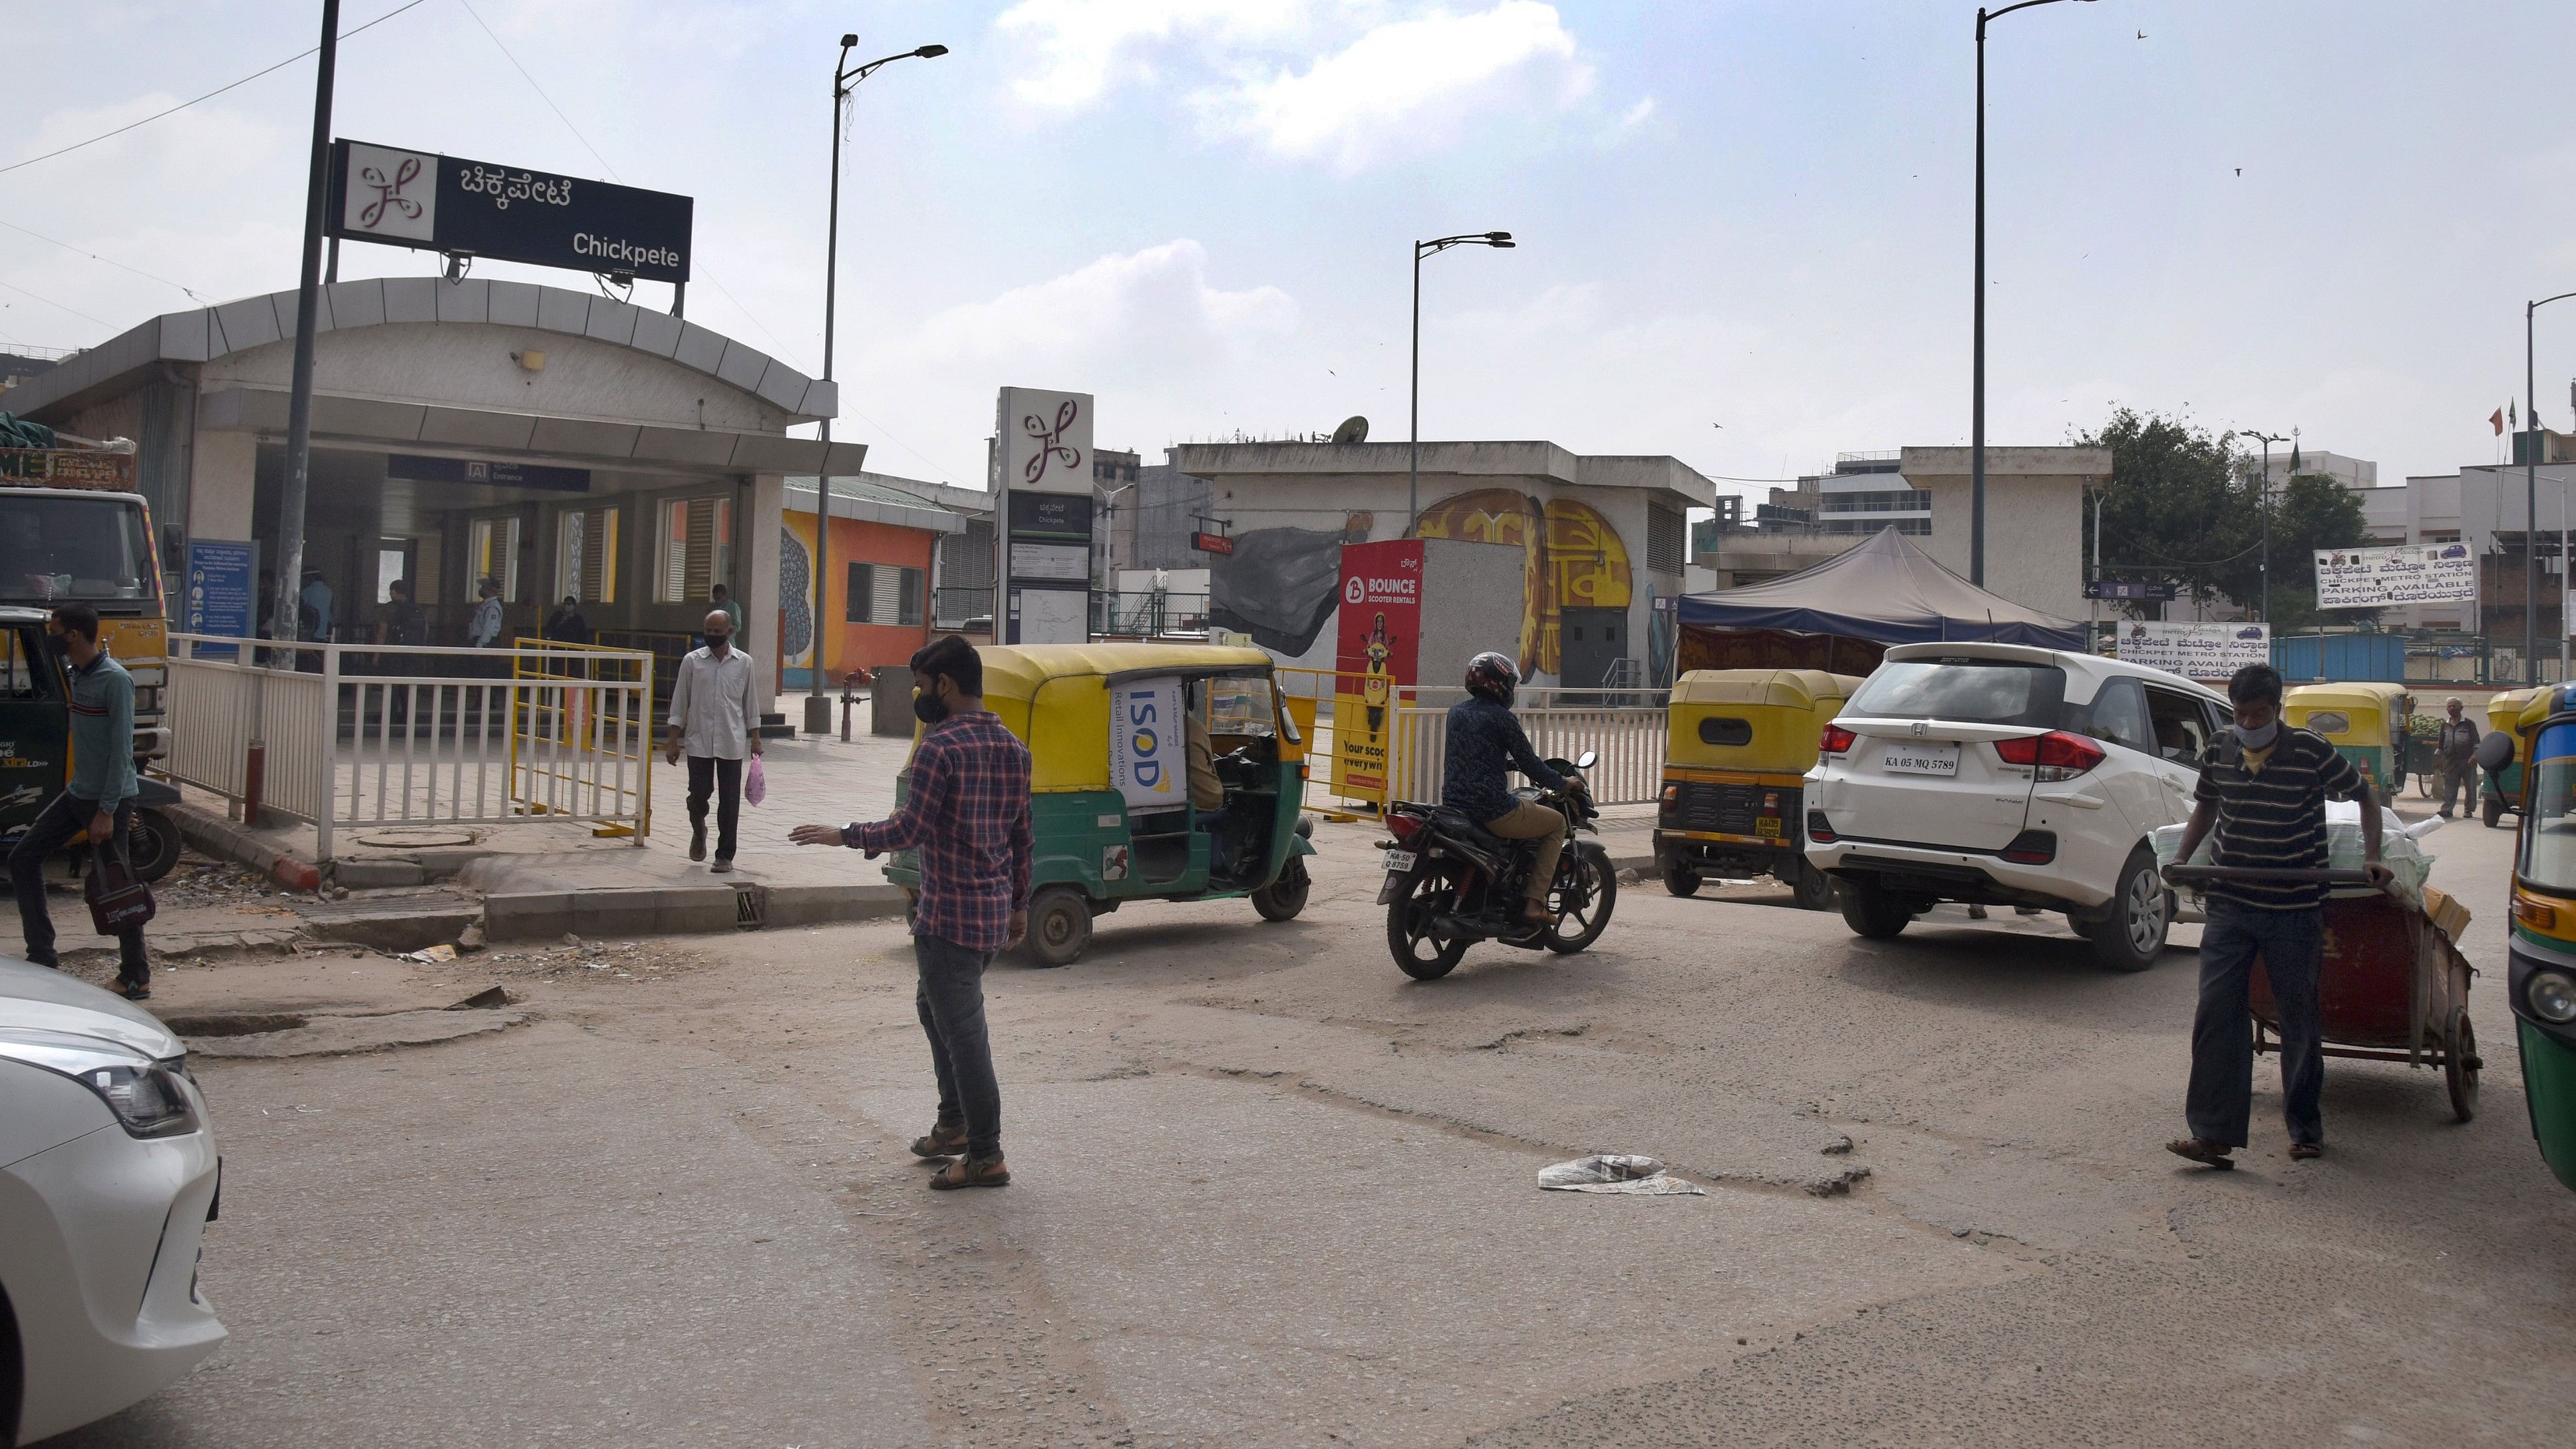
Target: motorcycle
[1451, 883]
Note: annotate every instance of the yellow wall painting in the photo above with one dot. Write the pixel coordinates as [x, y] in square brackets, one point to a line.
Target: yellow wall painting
[1575, 557]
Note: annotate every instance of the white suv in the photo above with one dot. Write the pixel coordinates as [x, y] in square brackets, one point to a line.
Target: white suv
[2000, 774]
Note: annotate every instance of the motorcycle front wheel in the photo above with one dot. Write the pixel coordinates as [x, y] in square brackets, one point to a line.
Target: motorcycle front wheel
[1419, 951]
[1587, 890]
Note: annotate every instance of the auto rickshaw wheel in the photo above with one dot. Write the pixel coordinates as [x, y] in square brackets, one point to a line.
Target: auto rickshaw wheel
[1059, 927]
[2460, 1066]
[1815, 889]
[153, 844]
[1679, 878]
[1283, 898]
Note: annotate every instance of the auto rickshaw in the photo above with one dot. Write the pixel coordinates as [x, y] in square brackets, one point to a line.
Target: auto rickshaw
[36, 755]
[2366, 723]
[1739, 744]
[1107, 727]
[2540, 980]
[2500, 754]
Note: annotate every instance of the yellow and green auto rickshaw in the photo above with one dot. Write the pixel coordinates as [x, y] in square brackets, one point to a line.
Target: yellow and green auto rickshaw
[2501, 753]
[36, 750]
[2540, 980]
[2366, 723]
[1107, 726]
[1738, 747]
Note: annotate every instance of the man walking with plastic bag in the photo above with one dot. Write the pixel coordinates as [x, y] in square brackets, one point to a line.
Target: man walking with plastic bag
[712, 714]
[96, 804]
[2262, 804]
[966, 810]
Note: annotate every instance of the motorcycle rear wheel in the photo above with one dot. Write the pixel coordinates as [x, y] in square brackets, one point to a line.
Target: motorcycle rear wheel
[1420, 952]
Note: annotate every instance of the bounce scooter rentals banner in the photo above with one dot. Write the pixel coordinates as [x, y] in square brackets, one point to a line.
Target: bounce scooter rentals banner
[1380, 639]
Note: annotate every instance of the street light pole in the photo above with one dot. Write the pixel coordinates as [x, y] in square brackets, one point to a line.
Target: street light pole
[1977, 347]
[2531, 501]
[1413, 459]
[2264, 501]
[299, 397]
[818, 708]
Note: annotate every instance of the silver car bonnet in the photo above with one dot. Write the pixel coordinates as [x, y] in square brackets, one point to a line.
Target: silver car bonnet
[39, 999]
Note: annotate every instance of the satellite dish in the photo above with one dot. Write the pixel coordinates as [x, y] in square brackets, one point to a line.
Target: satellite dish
[1353, 430]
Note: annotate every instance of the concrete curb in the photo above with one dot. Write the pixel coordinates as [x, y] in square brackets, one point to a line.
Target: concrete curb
[228, 839]
[681, 910]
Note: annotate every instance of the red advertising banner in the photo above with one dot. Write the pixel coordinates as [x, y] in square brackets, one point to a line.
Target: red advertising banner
[1379, 642]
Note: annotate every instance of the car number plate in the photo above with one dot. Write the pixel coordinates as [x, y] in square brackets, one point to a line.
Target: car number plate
[1901, 757]
[1399, 861]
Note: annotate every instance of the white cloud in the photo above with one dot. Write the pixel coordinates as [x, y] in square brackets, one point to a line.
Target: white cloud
[1411, 84]
[1155, 302]
[1079, 48]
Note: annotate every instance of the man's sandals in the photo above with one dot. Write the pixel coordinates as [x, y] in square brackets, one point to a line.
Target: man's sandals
[2202, 1150]
[948, 1140]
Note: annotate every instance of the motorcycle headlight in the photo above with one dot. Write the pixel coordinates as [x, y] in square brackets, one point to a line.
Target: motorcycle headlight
[146, 1096]
[2552, 995]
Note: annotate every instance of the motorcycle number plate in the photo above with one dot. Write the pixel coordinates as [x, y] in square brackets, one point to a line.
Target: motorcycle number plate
[1399, 861]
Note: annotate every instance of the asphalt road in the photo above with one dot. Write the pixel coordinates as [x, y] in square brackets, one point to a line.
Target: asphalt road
[1270, 1192]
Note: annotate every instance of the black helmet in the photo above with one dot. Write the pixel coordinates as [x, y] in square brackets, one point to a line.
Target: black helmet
[1494, 676]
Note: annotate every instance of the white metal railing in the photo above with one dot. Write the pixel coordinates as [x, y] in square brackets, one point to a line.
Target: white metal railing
[1626, 727]
[417, 736]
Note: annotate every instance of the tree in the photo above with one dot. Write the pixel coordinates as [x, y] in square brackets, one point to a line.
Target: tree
[2184, 506]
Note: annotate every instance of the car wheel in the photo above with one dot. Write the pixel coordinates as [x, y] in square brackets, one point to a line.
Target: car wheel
[1059, 927]
[1283, 898]
[1873, 914]
[2133, 936]
[1815, 888]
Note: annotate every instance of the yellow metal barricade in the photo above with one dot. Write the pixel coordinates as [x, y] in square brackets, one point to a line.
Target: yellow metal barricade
[581, 733]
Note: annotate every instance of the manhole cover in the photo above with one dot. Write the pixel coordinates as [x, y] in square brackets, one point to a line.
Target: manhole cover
[416, 839]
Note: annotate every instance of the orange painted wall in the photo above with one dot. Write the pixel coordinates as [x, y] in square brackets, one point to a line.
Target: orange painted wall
[847, 645]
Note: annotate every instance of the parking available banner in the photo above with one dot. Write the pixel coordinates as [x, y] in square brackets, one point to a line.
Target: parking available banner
[2196, 651]
[2370, 578]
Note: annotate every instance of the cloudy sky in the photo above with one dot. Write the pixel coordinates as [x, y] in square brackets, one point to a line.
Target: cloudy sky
[1745, 227]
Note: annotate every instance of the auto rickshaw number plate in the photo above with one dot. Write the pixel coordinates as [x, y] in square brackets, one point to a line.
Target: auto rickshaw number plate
[1768, 825]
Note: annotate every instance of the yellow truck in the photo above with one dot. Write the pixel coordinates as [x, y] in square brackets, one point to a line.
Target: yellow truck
[72, 527]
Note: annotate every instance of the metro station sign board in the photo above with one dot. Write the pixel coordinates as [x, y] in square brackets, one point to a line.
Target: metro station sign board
[444, 203]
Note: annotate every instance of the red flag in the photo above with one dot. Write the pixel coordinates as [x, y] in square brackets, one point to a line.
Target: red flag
[2498, 422]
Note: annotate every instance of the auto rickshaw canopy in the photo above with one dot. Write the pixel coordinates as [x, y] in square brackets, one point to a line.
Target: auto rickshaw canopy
[1752, 719]
[2374, 713]
[1055, 697]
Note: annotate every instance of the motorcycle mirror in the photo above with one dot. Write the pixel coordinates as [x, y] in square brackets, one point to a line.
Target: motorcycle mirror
[1584, 760]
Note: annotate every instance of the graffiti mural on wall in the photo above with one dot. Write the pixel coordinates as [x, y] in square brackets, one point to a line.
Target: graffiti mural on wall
[795, 591]
[1575, 559]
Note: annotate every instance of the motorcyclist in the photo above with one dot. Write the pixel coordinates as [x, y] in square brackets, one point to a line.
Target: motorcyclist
[1484, 741]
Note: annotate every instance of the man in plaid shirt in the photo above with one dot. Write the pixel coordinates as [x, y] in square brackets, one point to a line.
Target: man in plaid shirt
[967, 812]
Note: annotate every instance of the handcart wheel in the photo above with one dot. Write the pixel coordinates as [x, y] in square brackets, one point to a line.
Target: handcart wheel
[2460, 1065]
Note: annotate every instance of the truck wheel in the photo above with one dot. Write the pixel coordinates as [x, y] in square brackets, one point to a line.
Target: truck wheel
[2133, 936]
[153, 843]
[1873, 914]
[1059, 927]
[1283, 898]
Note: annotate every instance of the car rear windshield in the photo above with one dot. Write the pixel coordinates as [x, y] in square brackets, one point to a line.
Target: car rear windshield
[1971, 691]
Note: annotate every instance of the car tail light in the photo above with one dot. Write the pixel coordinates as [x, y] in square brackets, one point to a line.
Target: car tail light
[1402, 827]
[2032, 847]
[1836, 740]
[1818, 831]
[2056, 755]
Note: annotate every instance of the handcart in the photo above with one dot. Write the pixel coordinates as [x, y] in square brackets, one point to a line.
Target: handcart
[2392, 987]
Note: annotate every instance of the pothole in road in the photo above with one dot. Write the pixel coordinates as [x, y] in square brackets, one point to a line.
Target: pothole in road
[270, 1035]
[243, 1023]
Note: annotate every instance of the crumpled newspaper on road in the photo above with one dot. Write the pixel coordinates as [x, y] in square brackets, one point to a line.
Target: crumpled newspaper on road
[1615, 1172]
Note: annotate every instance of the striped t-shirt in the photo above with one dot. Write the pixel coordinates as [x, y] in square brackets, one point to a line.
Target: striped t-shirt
[2275, 817]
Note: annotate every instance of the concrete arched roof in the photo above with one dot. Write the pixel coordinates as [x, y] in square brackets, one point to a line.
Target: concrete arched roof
[206, 333]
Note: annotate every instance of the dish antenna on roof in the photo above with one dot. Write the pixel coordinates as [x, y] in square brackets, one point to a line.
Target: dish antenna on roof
[1354, 429]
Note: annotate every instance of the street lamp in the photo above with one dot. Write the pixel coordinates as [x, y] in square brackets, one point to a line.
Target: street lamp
[845, 79]
[1413, 464]
[2531, 505]
[1977, 386]
[2264, 499]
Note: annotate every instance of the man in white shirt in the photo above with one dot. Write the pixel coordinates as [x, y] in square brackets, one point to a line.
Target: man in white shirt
[486, 630]
[712, 714]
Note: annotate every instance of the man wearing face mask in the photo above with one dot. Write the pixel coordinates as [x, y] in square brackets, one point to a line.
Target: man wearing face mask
[2263, 790]
[712, 712]
[966, 810]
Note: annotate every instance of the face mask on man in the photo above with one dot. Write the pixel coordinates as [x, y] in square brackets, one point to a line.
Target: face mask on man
[930, 709]
[717, 644]
[2258, 739]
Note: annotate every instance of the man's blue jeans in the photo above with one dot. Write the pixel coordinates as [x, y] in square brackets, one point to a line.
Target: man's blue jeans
[2292, 945]
[951, 1002]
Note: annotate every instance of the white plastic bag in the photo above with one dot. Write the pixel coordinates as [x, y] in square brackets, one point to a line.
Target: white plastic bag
[2399, 848]
[1622, 1172]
